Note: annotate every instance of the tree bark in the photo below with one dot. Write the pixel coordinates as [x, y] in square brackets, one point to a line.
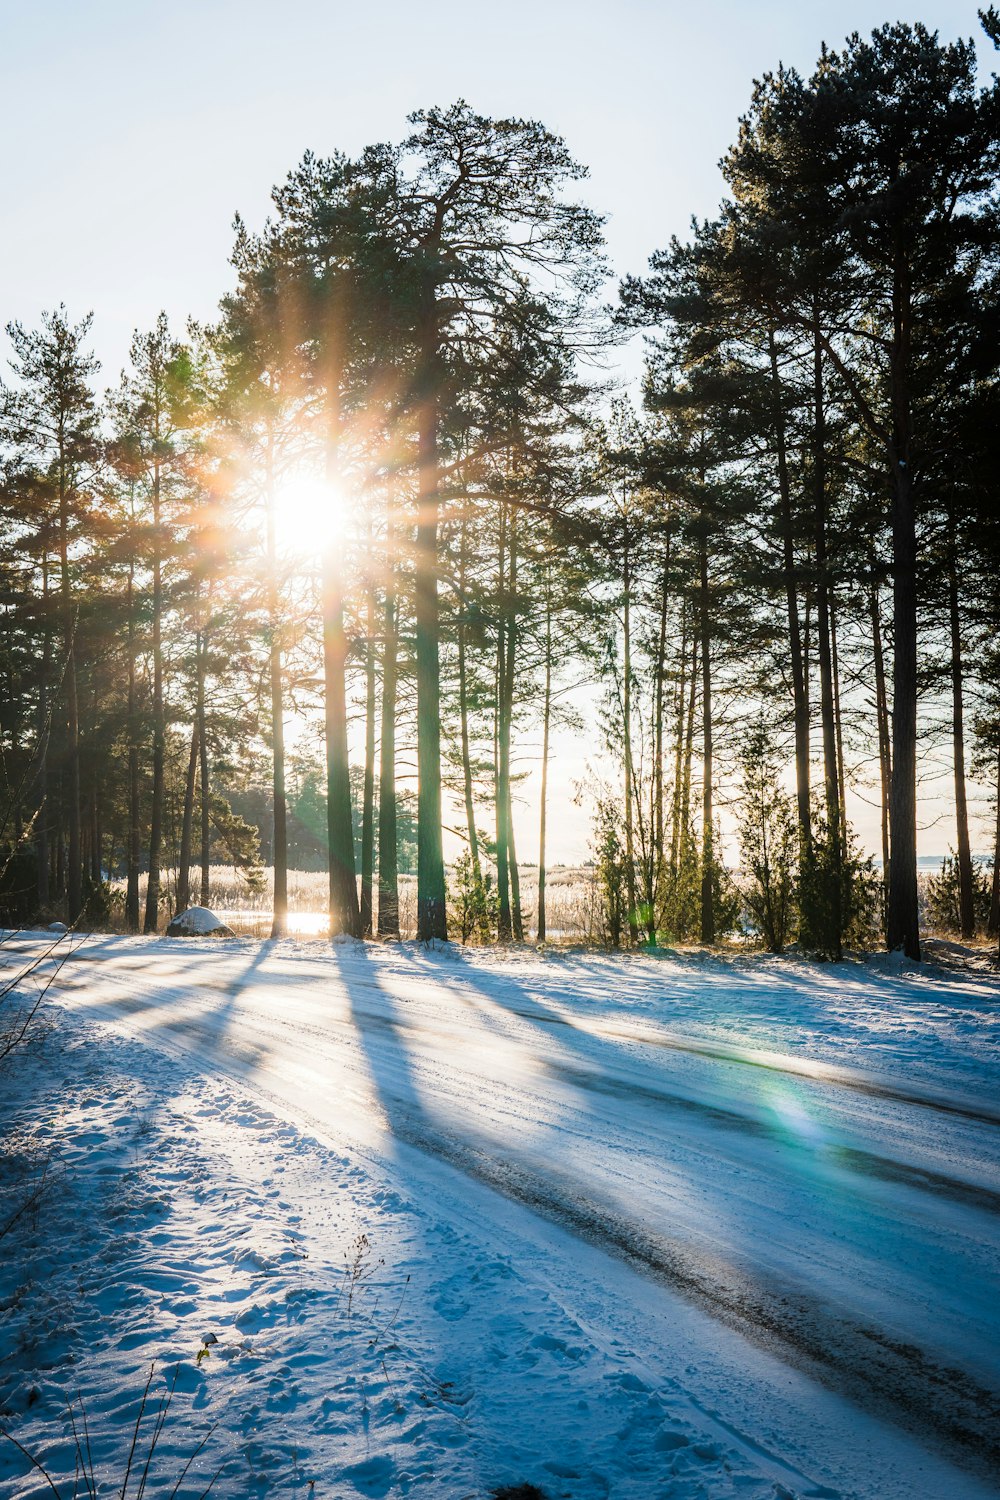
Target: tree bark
[368, 795]
[823, 648]
[800, 698]
[882, 718]
[707, 819]
[502, 789]
[279, 803]
[388, 857]
[902, 919]
[630, 884]
[206, 791]
[187, 825]
[74, 866]
[152, 916]
[994, 927]
[134, 838]
[345, 916]
[466, 748]
[44, 734]
[546, 718]
[432, 921]
[966, 906]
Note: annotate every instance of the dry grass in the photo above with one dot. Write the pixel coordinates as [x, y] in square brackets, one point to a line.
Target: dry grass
[569, 900]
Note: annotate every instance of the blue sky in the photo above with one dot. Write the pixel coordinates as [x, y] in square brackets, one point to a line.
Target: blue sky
[135, 131]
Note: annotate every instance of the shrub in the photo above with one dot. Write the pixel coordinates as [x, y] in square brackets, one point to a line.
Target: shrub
[941, 897]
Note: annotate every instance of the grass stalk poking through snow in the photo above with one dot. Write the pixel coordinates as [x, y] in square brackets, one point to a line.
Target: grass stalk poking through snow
[142, 1450]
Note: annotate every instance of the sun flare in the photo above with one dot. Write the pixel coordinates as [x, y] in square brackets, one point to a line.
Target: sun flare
[311, 513]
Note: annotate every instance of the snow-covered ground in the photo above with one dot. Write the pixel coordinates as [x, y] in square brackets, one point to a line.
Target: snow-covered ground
[631, 1227]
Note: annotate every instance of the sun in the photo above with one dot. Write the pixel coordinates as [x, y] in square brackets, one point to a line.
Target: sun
[310, 513]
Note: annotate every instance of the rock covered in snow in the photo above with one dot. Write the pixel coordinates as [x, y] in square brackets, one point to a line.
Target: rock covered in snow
[198, 921]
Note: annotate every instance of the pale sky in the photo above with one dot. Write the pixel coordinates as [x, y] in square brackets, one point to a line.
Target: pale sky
[134, 132]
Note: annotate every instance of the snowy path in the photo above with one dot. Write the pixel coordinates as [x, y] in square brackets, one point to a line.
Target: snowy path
[777, 1184]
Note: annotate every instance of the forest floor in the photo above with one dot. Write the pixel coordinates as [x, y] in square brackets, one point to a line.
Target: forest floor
[408, 1222]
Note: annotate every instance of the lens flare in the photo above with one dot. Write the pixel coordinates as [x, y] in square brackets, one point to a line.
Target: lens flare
[311, 513]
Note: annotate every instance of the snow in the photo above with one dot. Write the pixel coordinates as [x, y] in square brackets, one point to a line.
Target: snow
[197, 921]
[633, 1227]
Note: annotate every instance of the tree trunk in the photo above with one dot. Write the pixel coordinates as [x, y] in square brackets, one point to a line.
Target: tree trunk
[680, 720]
[463, 710]
[831, 779]
[388, 857]
[74, 866]
[994, 927]
[800, 698]
[902, 919]
[658, 832]
[279, 804]
[502, 741]
[838, 722]
[206, 791]
[707, 817]
[134, 829]
[187, 825]
[882, 718]
[368, 797]
[432, 921]
[630, 886]
[42, 820]
[966, 906]
[546, 719]
[345, 917]
[152, 916]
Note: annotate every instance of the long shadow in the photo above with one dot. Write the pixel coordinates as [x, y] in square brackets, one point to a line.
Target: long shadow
[210, 1025]
[779, 1312]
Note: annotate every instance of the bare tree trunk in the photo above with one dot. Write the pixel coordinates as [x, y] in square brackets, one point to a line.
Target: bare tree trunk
[74, 865]
[432, 920]
[546, 719]
[517, 920]
[187, 825]
[279, 803]
[800, 698]
[388, 857]
[345, 916]
[463, 710]
[508, 719]
[134, 830]
[967, 912]
[882, 717]
[838, 722]
[680, 720]
[368, 797]
[902, 920]
[657, 854]
[994, 927]
[206, 791]
[823, 649]
[633, 923]
[42, 820]
[152, 916]
[502, 798]
[707, 814]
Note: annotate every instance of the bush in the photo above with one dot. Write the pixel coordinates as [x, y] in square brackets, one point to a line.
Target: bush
[942, 903]
[475, 903]
[768, 843]
[839, 894]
